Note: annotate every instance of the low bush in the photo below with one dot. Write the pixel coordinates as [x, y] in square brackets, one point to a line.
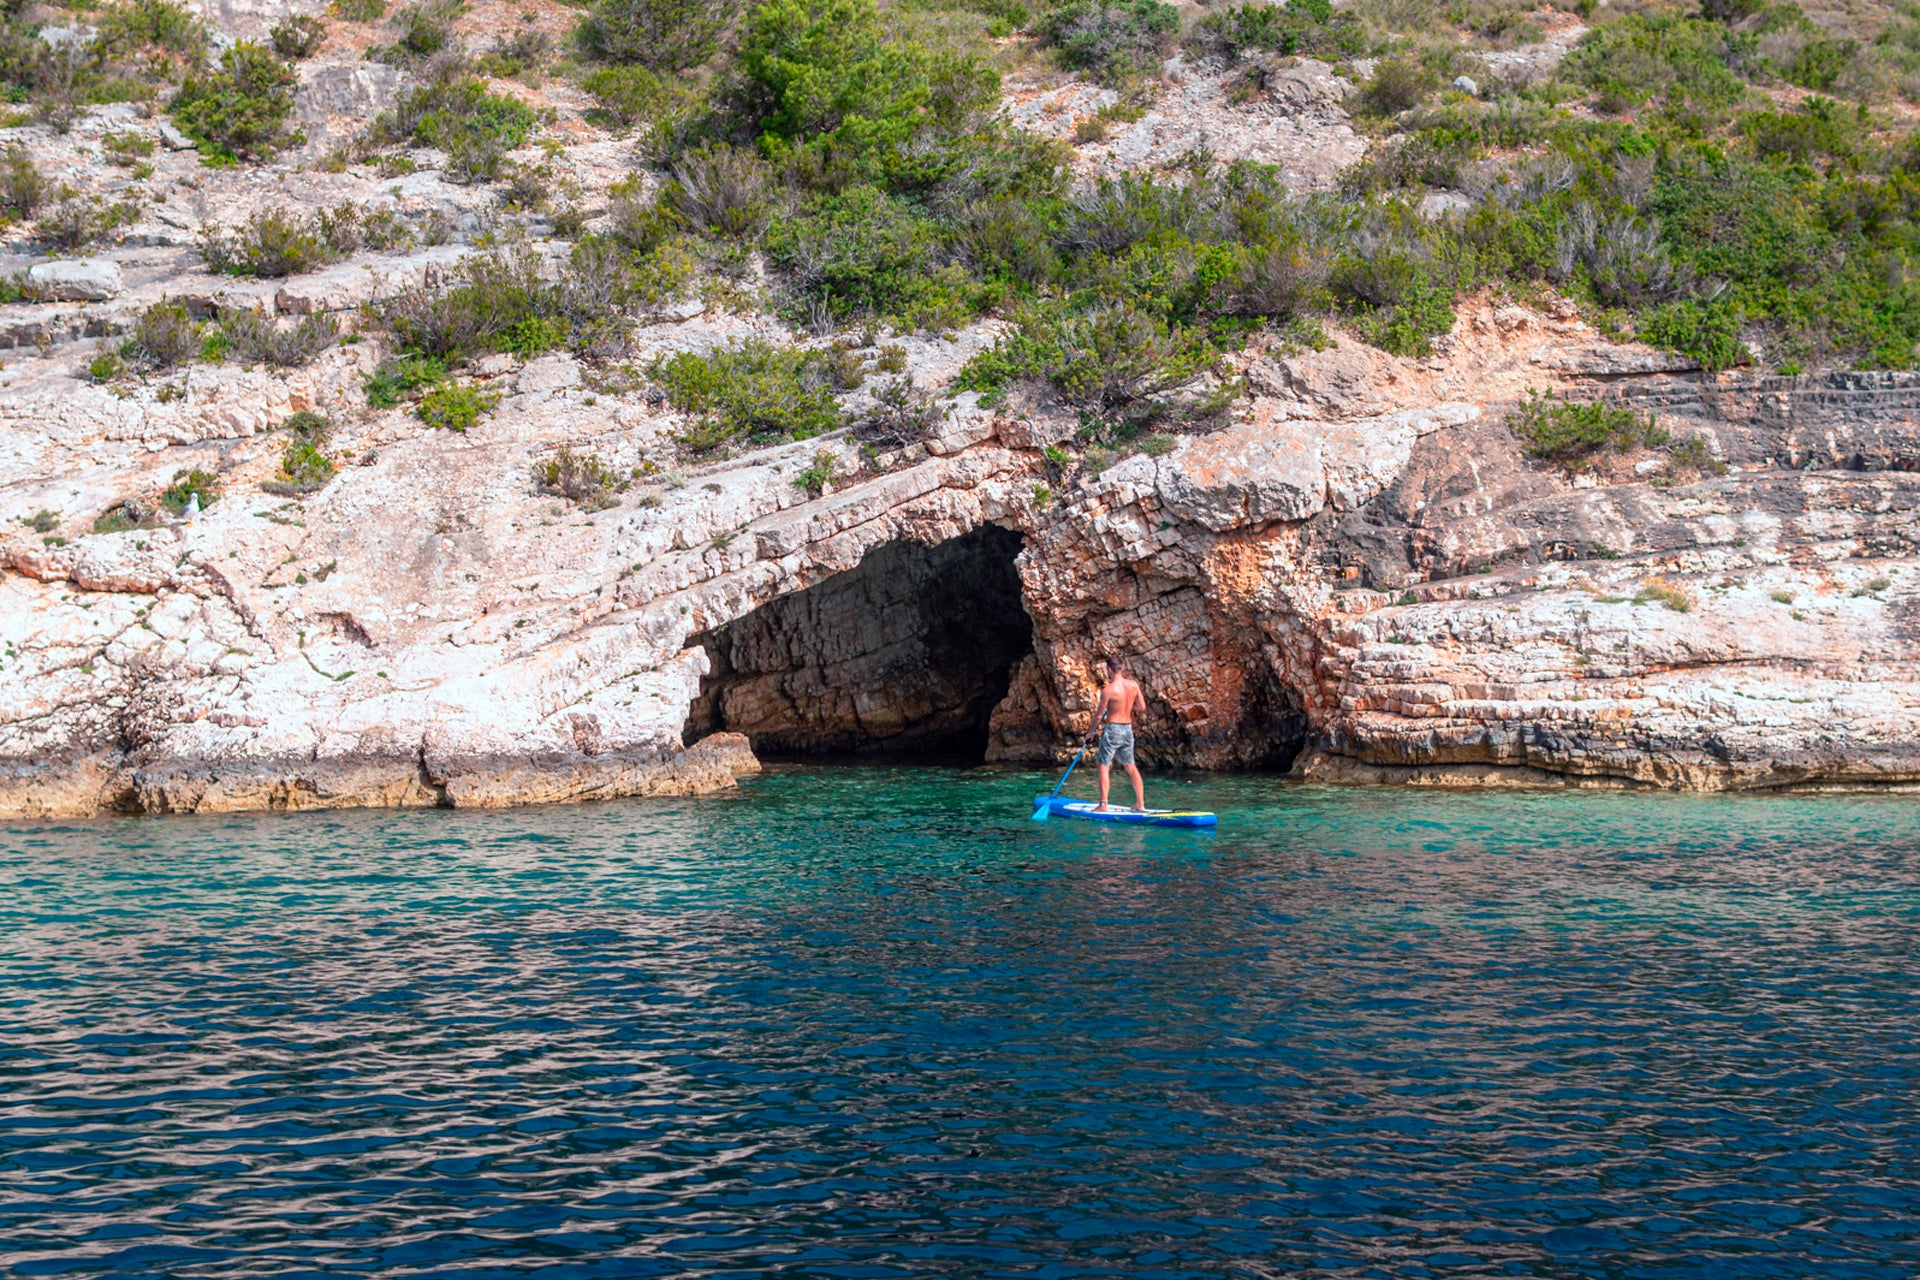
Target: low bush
[453, 406]
[1118, 361]
[1576, 433]
[304, 465]
[125, 149]
[297, 37]
[1114, 43]
[74, 222]
[106, 366]
[164, 337]
[815, 479]
[520, 56]
[1298, 28]
[581, 478]
[627, 95]
[1397, 85]
[22, 189]
[252, 337]
[130, 514]
[902, 414]
[722, 190]
[1707, 331]
[752, 391]
[425, 29]
[155, 25]
[491, 294]
[358, 10]
[188, 485]
[240, 111]
[397, 378]
[459, 116]
[664, 35]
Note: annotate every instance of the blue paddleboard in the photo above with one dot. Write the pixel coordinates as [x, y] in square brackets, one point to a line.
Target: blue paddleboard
[1060, 808]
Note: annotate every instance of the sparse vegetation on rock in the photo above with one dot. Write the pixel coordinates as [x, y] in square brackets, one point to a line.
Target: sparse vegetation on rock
[240, 111]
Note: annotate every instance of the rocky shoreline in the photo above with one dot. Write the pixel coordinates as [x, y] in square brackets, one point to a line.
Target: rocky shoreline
[1361, 577]
[1357, 572]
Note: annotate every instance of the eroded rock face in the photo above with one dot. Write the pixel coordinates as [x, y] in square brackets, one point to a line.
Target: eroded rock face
[911, 651]
[1361, 576]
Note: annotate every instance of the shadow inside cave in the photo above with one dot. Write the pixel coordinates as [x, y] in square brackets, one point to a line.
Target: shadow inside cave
[903, 656]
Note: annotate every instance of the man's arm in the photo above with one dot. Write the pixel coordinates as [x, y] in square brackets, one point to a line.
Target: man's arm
[1139, 699]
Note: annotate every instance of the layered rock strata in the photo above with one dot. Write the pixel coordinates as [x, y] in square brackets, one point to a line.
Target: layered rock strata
[1361, 575]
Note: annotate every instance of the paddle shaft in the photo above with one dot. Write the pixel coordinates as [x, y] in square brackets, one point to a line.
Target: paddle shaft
[1076, 758]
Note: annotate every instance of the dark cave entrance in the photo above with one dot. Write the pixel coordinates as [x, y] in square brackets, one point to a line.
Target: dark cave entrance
[905, 655]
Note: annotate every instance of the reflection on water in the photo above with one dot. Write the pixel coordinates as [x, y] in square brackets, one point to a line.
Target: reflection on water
[874, 1022]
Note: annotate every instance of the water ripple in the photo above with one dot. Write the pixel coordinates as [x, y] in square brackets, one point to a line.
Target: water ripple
[874, 1023]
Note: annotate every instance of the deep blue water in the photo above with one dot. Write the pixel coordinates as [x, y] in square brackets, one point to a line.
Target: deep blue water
[876, 1023]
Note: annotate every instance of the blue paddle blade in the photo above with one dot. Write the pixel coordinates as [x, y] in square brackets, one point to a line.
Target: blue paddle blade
[1043, 812]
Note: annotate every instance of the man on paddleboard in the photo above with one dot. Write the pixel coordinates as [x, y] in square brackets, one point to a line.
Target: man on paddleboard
[1118, 701]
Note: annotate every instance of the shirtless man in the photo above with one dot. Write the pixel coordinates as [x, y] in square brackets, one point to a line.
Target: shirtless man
[1118, 701]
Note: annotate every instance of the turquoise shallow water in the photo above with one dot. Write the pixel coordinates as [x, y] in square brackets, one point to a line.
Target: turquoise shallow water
[869, 1022]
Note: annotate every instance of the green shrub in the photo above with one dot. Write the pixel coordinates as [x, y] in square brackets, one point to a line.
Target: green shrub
[722, 190]
[1298, 28]
[74, 223]
[1575, 433]
[863, 252]
[106, 366]
[1400, 299]
[241, 110]
[1397, 84]
[122, 516]
[164, 337]
[532, 335]
[268, 244]
[627, 94]
[473, 312]
[581, 478]
[752, 390]
[396, 379]
[187, 484]
[816, 478]
[1685, 63]
[22, 189]
[253, 337]
[426, 29]
[1707, 331]
[1158, 445]
[665, 35]
[1112, 42]
[125, 149]
[42, 521]
[304, 469]
[297, 37]
[828, 81]
[454, 407]
[1815, 131]
[1817, 63]
[459, 116]
[151, 24]
[1117, 360]
[359, 10]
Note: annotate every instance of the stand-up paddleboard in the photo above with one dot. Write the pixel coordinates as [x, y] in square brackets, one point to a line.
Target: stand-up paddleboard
[1087, 809]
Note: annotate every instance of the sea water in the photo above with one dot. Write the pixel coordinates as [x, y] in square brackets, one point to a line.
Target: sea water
[875, 1022]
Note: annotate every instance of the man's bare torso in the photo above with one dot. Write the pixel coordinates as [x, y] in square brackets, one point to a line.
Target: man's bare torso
[1120, 699]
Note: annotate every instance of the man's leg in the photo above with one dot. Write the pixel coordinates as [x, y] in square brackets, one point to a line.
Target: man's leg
[1105, 780]
[1139, 788]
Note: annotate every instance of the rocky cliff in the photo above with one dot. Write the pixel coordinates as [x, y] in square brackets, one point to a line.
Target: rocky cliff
[1359, 574]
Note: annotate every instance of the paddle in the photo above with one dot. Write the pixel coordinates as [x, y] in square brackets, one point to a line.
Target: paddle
[1045, 810]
